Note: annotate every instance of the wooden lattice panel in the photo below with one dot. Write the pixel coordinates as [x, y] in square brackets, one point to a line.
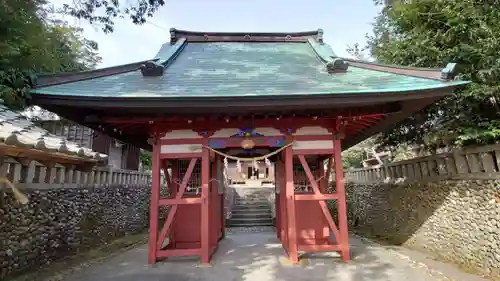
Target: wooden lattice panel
[300, 182]
[194, 184]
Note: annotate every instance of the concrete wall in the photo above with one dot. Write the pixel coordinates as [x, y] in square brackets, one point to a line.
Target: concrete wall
[457, 221]
[58, 222]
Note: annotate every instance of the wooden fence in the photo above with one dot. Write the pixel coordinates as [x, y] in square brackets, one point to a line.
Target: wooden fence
[472, 163]
[38, 176]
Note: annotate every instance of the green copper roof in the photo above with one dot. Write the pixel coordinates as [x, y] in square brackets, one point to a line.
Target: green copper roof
[244, 69]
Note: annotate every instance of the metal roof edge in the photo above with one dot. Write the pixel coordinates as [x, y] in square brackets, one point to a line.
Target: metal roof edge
[44, 80]
[199, 36]
[229, 101]
[322, 50]
[172, 53]
[326, 55]
[446, 74]
[182, 33]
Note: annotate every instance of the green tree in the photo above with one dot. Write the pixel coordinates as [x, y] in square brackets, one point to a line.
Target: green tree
[353, 158]
[30, 42]
[432, 33]
[106, 11]
[145, 158]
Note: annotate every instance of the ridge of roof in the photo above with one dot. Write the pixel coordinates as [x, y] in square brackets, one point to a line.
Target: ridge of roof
[43, 80]
[324, 52]
[199, 36]
[163, 59]
[442, 74]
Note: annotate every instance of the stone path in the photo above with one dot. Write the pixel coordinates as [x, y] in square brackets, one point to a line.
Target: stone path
[246, 256]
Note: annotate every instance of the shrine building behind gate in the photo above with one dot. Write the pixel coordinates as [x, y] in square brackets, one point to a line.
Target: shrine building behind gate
[208, 99]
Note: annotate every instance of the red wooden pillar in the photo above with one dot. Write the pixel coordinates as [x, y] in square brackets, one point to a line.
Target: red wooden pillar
[277, 197]
[222, 200]
[284, 215]
[322, 229]
[290, 206]
[154, 207]
[205, 210]
[214, 221]
[342, 208]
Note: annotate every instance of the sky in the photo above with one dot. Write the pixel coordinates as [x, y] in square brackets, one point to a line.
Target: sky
[344, 23]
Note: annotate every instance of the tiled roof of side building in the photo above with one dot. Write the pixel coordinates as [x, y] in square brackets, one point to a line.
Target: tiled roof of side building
[18, 132]
[194, 64]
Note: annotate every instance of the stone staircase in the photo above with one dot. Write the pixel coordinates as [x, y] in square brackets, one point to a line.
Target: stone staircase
[251, 208]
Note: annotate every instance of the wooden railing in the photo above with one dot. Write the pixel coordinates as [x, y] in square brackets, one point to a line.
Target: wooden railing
[473, 163]
[38, 176]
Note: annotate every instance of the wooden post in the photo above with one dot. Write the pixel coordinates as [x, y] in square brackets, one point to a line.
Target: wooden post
[341, 203]
[290, 205]
[205, 211]
[154, 204]
[284, 214]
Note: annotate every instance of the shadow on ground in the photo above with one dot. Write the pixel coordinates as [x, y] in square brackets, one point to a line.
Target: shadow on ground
[259, 257]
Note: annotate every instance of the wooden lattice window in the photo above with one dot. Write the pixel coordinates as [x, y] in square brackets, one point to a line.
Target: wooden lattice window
[301, 183]
[194, 183]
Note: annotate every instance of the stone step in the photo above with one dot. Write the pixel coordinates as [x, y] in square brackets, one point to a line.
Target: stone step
[258, 221]
[251, 200]
[251, 215]
[247, 207]
[251, 212]
[251, 219]
[252, 205]
[250, 224]
[252, 197]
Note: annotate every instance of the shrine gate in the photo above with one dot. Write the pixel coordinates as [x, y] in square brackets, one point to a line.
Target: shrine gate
[206, 95]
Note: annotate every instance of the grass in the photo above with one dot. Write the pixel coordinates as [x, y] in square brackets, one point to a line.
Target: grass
[59, 269]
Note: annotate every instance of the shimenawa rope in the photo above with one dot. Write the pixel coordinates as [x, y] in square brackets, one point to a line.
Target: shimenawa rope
[249, 159]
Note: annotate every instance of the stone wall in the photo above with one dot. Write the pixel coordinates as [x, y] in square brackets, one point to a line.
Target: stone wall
[229, 198]
[61, 221]
[457, 221]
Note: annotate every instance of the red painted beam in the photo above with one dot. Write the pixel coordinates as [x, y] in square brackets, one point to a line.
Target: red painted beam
[173, 210]
[178, 253]
[180, 201]
[312, 197]
[341, 204]
[323, 151]
[205, 211]
[321, 203]
[180, 155]
[290, 207]
[286, 119]
[319, 248]
[234, 139]
[154, 205]
[209, 124]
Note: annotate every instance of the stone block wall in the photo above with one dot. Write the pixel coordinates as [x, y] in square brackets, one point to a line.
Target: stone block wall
[229, 198]
[61, 221]
[457, 221]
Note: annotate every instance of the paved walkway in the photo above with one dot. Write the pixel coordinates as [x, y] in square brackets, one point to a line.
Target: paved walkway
[259, 257]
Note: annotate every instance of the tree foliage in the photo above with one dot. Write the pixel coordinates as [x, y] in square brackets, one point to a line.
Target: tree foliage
[106, 11]
[353, 158]
[30, 42]
[145, 158]
[432, 33]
